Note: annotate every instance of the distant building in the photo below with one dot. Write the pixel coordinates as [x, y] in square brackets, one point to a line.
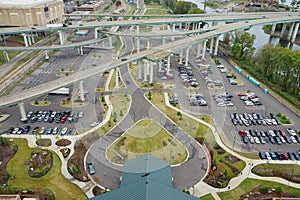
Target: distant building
[30, 12]
[146, 177]
[91, 6]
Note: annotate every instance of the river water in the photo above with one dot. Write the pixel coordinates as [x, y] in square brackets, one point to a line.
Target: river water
[261, 37]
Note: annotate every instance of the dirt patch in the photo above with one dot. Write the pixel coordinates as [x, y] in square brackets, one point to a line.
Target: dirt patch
[40, 163]
[63, 142]
[232, 159]
[7, 151]
[44, 142]
[172, 142]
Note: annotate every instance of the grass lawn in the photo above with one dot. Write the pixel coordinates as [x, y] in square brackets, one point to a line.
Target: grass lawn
[207, 197]
[249, 184]
[147, 136]
[157, 10]
[11, 55]
[53, 180]
[120, 103]
[40, 103]
[283, 119]
[192, 127]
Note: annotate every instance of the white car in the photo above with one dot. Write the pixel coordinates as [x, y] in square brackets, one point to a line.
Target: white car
[64, 131]
[282, 139]
[80, 114]
[93, 124]
[248, 103]
[268, 156]
[293, 139]
[256, 140]
[291, 131]
[55, 130]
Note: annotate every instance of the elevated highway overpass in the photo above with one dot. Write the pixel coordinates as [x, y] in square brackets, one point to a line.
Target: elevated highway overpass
[154, 54]
[172, 19]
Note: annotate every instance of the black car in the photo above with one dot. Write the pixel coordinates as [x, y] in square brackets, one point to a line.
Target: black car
[245, 140]
[262, 155]
[26, 129]
[9, 130]
[271, 139]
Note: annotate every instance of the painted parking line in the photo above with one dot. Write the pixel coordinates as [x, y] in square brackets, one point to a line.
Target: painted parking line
[227, 108]
[255, 108]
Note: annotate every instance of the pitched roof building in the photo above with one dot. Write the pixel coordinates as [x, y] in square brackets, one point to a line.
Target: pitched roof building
[146, 177]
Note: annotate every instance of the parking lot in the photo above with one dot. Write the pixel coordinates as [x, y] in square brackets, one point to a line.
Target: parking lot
[224, 98]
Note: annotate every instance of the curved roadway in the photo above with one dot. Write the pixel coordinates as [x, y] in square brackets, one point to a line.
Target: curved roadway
[185, 175]
[154, 53]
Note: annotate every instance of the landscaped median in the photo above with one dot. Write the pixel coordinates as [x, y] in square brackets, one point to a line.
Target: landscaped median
[147, 136]
[258, 189]
[224, 166]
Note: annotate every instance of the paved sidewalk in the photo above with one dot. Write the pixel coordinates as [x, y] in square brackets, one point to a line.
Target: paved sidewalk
[202, 188]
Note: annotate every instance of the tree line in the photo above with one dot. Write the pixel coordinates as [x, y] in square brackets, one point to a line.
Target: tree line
[179, 7]
[276, 65]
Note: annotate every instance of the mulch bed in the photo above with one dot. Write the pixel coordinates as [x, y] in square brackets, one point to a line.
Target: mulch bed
[40, 163]
[63, 142]
[76, 162]
[7, 151]
[264, 193]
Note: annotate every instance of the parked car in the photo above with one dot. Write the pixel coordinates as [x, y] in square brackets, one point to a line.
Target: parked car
[64, 131]
[91, 169]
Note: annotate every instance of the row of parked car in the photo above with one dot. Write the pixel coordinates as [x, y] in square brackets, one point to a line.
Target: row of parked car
[53, 116]
[250, 99]
[186, 75]
[271, 155]
[224, 99]
[270, 136]
[38, 130]
[197, 100]
[248, 119]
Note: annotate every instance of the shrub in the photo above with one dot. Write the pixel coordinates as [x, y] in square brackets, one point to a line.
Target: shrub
[263, 190]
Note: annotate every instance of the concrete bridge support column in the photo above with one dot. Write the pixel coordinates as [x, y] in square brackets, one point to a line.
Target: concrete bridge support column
[110, 41]
[168, 65]
[180, 57]
[61, 37]
[199, 25]
[148, 44]
[117, 78]
[139, 69]
[32, 38]
[216, 46]
[187, 57]
[160, 65]
[6, 56]
[180, 25]
[46, 55]
[25, 39]
[96, 33]
[148, 67]
[283, 29]
[81, 50]
[186, 27]
[273, 29]
[163, 42]
[290, 31]
[151, 73]
[198, 50]
[81, 91]
[173, 30]
[145, 72]
[204, 49]
[29, 40]
[211, 46]
[295, 33]
[22, 111]
[138, 44]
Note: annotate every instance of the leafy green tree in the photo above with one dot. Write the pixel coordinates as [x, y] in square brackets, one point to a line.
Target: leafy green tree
[182, 7]
[242, 48]
[196, 11]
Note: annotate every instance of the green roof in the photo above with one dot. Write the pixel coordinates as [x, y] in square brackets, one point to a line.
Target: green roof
[145, 189]
[146, 178]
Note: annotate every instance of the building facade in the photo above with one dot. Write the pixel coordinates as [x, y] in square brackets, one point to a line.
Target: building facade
[30, 12]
